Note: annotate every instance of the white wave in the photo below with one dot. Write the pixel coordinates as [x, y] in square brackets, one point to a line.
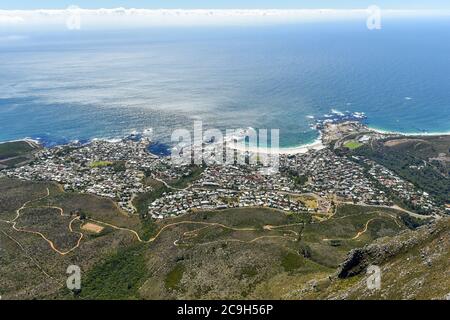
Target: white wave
[337, 112]
[110, 140]
[34, 140]
[384, 131]
[359, 115]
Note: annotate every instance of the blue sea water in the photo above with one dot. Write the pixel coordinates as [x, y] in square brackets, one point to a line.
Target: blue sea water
[65, 86]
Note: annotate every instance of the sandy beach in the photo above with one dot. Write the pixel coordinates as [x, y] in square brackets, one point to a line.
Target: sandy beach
[302, 149]
[418, 134]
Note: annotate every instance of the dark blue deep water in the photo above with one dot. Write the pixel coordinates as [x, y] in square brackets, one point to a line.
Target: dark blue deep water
[81, 85]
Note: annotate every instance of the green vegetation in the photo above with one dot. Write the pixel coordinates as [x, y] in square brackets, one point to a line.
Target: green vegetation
[100, 164]
[173, 278]
[353, 144]
[94, 207]
[291, 262]
[412, 257]
[119, 276]
[331, 240]
[143, 200]
[14, 149]
[14, 193]
[186, 180]
[119, 166]
[410, 159]
[247, 217]
[23, 267]
[149, 228]
[16, 153]
[412, 222]
[49, 222]
[14, 161]
[252, 253]
[249, 271]
[300, 180]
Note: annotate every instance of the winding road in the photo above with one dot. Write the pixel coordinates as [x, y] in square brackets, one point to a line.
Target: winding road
[14, 223]
[366, 227]
[191, 233]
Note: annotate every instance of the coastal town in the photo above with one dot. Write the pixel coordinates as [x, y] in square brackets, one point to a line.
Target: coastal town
[122, 170]
[223, 155]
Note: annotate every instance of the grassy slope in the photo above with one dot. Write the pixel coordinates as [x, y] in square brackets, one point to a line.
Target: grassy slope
[29, 268]
[418, 270]
[352, 144]
[119, 276]
[185, 181]
[339, 231]
[212, 264]
[14, 149]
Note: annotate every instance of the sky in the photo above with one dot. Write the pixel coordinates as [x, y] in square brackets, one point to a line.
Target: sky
[225, 4]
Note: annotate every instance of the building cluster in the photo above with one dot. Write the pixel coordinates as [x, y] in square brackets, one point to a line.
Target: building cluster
[243, 178]
[119, 170]
[402, 189]
[330, 175]
[107, 169]
[184, 201]
[228, 186]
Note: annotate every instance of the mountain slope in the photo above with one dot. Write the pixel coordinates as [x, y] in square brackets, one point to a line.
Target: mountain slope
[414, 265]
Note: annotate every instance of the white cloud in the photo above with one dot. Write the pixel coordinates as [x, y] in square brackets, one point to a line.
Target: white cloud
[10, 19]
[120, 17]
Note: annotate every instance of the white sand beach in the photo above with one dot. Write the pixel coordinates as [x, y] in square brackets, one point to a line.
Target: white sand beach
[302, 149]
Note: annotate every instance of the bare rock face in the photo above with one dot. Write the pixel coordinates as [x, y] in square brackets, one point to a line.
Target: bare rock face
[356, 262]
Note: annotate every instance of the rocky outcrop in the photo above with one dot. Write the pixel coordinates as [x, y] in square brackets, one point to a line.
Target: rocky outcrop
[381, 250]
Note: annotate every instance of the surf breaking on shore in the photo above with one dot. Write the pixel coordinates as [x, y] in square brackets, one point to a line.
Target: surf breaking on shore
[335, 116]
[317, 123]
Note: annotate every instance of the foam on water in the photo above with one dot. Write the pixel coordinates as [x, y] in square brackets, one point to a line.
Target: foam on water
[81, 86]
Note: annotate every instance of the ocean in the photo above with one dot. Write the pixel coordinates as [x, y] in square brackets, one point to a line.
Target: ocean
[80, 85]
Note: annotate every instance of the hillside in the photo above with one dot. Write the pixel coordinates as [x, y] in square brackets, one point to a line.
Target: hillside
[237, 253]
[414, 265]
[240, 253]
[424, 161]
[15, 153]
[41, 235]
